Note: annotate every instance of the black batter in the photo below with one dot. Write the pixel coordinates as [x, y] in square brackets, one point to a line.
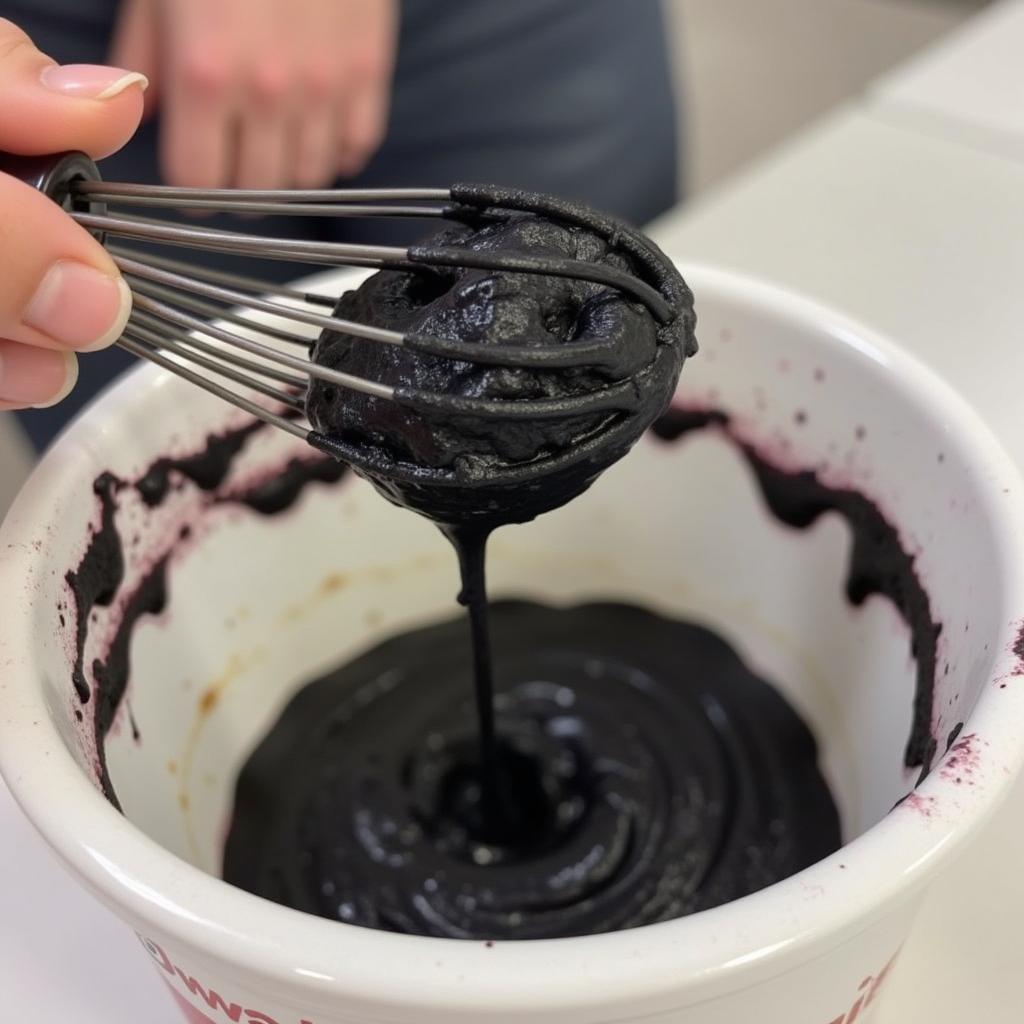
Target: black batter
[647, 772]
[493, 470]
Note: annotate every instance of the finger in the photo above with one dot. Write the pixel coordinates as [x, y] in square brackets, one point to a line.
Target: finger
[61, 290]
[315, 124]
[262, 154]
[263, 150]
[315, 146]
[197, 131]
[49, 108]
[34, 378]
[363, 127]
[135, 46]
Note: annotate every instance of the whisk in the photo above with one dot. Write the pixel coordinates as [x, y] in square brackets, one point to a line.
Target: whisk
[197, 323]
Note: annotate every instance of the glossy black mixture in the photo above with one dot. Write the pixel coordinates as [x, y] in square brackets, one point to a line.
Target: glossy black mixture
[646, 773]
[485, 470]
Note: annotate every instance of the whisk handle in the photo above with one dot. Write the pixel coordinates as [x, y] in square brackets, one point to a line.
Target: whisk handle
[53, 174]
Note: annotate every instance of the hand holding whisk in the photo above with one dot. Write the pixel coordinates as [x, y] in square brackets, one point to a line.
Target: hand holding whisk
[245, 339]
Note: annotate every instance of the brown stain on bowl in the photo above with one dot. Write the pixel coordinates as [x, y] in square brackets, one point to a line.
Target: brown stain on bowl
[209, 699]
[333, 583]
[336, 582]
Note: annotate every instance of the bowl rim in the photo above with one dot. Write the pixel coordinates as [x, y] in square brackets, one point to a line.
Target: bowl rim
[669, 964]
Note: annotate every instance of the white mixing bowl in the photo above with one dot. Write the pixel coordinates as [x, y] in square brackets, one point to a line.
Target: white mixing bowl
[258, 605]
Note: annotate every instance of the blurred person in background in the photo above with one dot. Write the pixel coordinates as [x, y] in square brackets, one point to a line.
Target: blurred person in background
[572, 97]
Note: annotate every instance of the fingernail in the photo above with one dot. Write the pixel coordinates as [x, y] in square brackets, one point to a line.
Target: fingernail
[36, 377]
[79, 306]
[91, 81]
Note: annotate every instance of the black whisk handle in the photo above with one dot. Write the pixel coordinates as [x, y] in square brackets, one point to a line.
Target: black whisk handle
[53, 174]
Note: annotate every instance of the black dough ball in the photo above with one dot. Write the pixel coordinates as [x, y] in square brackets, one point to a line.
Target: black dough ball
[465, 469]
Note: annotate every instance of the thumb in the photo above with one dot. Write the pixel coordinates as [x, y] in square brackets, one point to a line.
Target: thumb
[49, 108]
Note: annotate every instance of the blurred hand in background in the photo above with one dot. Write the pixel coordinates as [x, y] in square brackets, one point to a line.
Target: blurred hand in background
[262, 93]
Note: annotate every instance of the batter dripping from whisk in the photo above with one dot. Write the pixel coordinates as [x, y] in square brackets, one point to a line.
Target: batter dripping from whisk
[471, 474]
[630, 769]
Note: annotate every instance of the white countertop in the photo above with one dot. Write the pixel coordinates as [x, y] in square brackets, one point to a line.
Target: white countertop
[905, 211]
[970, 86]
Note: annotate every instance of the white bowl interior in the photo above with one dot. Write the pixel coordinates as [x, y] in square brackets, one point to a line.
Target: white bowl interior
[259, 605]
